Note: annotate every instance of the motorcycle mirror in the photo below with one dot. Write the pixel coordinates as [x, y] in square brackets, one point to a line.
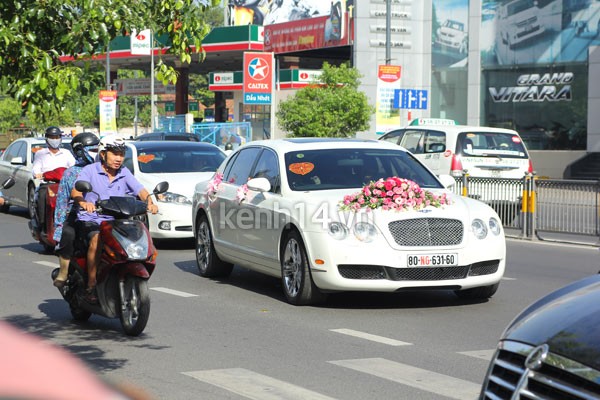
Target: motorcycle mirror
[8, 183]
[83, 186]
[161, 187]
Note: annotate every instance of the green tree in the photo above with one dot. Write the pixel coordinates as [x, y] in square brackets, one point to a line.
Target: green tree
[332, 107]
[34, 34]
[198, 88]
[10, 114]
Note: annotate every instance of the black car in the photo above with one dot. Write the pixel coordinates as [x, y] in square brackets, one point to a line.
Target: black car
[168, 136]
[551, 350]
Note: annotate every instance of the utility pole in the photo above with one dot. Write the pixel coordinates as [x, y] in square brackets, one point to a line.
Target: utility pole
[388, 33]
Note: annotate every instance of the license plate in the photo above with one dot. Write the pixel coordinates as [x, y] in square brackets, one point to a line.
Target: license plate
[432, 260]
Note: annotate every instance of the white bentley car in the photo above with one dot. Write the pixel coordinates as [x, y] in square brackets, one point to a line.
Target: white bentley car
[329, 215]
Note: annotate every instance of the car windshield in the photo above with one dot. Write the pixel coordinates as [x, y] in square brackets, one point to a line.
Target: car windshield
[352, 168]
[490, 144]
[176, 159]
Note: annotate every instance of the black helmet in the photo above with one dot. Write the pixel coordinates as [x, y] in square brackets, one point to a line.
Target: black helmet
[53, 131]
[81, 145]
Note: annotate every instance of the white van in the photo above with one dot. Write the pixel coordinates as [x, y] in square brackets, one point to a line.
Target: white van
[447, 148]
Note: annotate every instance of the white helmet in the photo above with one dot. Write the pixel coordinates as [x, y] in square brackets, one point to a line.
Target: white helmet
[112, 142]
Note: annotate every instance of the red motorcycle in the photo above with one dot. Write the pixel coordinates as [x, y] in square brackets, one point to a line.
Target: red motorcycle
[127, 260]
[43, 231]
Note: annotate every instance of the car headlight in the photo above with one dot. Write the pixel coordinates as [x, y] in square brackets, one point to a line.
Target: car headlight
[365, 232]
[479, 229]
[495, 226]
[169, 197]
[338, 230]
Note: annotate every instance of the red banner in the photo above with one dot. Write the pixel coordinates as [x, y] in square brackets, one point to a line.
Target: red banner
[307, 34]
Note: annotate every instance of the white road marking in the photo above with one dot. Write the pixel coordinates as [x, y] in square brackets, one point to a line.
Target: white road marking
[255, 386]
[505, 278]
[421, 379]
[483, 354]
[174, 292]
[47, 264]
[373, 338]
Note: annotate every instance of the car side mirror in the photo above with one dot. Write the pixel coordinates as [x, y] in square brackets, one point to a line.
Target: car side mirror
[83, 186]
[17, 161]
[161, 187]
[259, 184]
[8, 183]
[447, 181]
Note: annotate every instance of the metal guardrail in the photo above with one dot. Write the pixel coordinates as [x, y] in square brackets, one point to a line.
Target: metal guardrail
[532, 206]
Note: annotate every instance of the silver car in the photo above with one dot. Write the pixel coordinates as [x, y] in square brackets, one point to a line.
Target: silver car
[17, 161]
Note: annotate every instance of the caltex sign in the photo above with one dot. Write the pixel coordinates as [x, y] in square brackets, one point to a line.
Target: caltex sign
[258, 78]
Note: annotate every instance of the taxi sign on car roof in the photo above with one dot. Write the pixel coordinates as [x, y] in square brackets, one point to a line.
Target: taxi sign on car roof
[432, 121]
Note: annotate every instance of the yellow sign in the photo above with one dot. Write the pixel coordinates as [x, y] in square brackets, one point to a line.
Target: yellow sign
[108, 112]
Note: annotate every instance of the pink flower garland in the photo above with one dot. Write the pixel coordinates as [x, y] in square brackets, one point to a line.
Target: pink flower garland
[213, 185]
[241, 193]
[393, 193]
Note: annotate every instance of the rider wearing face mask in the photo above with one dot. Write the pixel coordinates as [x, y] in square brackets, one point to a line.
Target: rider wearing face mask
[49, 159]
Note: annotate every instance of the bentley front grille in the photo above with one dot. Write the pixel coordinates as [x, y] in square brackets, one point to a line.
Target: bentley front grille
[421, 232]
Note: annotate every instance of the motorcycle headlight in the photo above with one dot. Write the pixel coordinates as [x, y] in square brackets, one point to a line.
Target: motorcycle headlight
[133, 241]
[338, 230]
[495, 226]
[169, 197]
[365, 232]
[479, 228]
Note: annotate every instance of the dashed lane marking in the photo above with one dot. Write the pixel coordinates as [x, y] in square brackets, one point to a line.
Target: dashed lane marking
[482, 354]
[174, 292]
[255, 386]
[373, 338]
[47, 264]
[505, 278]
[418, 378]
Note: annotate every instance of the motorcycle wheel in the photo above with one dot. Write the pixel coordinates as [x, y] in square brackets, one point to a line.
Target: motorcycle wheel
[31, 205]
[135, 307]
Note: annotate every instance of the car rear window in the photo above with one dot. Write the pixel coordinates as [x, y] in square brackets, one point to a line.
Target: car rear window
[490, 144]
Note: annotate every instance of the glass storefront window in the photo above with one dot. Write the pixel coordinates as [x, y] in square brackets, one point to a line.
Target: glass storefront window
[547, 105]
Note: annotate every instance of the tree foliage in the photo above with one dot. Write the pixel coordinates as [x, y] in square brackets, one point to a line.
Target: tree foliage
[35, 33]
[10, 114]
[332, 107]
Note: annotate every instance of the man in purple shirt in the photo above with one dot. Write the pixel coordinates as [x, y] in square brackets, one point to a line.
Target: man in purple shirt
[108, 178]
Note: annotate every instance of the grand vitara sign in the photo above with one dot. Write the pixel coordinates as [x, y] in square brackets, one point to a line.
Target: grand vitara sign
[536, 88]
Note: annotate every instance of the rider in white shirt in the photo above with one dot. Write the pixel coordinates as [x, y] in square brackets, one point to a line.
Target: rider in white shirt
[49, 159]
[53, 156]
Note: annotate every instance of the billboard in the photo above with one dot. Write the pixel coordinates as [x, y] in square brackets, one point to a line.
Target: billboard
[450, 33]
[517, 32]
[266, 12]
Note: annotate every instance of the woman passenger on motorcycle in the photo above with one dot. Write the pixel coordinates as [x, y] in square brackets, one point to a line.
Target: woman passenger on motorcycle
[108, 178]
[64, 214]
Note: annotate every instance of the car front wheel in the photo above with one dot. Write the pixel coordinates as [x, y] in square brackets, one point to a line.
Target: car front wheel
[296, 279]
[208, 262]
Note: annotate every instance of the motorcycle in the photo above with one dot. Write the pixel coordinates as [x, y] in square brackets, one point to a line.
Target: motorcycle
[127, 261]
[43, 231]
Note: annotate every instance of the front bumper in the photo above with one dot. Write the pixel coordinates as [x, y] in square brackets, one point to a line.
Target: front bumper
[355, 266]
